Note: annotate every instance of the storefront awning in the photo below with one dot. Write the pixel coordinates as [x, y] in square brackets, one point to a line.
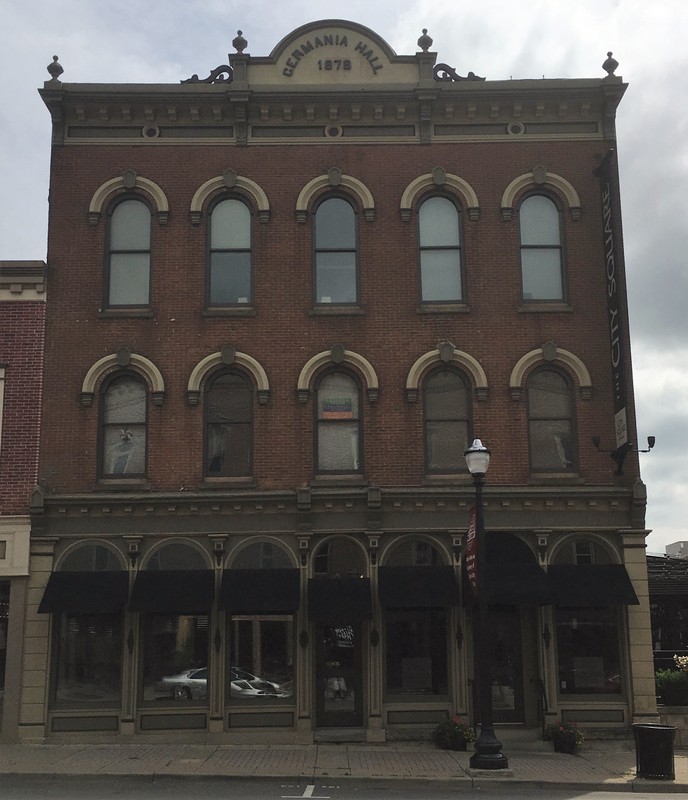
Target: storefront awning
[85, 593]
[342, 600]
[518, 584]
[418, 587]
[591, 585]
[260, 591]
[173, 591]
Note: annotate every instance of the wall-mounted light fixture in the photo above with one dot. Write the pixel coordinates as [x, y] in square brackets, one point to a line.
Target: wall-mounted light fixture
[620, 453]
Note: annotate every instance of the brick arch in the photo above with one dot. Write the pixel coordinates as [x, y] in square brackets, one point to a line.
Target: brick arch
[538, 178]
[446, 353]
[337, 355]
[441, 179]
[549, 353]
[227, 357]
[230, 180]
[334, 179]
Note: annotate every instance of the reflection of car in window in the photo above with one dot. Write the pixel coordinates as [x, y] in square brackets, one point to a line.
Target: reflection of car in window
[192, 684]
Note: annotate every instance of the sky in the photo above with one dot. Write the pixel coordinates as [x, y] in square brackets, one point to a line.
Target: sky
[164, 41]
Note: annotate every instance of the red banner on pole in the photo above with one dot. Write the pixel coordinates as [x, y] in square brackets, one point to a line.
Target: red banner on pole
[472, 554]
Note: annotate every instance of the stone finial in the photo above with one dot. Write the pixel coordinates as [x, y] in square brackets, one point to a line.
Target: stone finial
[239, 43]
[425, 41]
[610, 64]
[55, 69]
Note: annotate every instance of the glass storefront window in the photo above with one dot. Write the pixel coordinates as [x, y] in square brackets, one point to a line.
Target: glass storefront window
[588, 651]
[416, 652]
[89, 660]
[175, 657]
[261, 659]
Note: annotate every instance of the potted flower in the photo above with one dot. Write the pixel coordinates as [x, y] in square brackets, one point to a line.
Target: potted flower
[453, 734]
[565, 736]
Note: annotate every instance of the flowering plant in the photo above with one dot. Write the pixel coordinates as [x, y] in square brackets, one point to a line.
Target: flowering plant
[681, 662]
[453, 733]
[567, 730]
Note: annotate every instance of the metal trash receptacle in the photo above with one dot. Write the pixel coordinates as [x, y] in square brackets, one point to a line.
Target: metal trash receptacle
[654, 751]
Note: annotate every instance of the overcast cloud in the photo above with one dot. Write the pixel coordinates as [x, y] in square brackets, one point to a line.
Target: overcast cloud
[164, 41]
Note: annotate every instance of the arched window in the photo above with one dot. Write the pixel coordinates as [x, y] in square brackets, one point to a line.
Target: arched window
[447, 417]
[229, 258]
[123, 430]
[338, 430]
[336, 278]
[439, 237]
[229, 426]
[551, 422]
[541, 250]
[129, 255]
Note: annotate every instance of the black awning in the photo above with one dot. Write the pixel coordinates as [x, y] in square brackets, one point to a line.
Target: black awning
[591, 585]
[342, 600]
[518, 584]
[85, 593]
[418, 587]
[260, 591]
[173, 591]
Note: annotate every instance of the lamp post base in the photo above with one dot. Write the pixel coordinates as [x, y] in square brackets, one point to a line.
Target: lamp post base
[488, 753]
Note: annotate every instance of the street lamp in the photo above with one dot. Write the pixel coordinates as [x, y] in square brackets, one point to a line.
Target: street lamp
[488, 749]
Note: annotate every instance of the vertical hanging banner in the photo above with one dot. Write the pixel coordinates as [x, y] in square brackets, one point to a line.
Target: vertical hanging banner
[471, 559]
[616, 313]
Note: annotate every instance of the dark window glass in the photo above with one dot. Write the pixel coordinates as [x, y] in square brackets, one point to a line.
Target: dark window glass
[550, 422]
[588, 651]
[262, 555]
[440, 251]
[261, 660]
[230, 254]
[335, 252]
[447, 416]
[339, 558]
[124, 428]
[129, 253]
[416, 652]
[338, 424]
[229, 426]
[413, 553]
[90, 557]
[541, 251]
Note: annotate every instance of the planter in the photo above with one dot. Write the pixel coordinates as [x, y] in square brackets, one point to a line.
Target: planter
[457, 744]
[565, 743]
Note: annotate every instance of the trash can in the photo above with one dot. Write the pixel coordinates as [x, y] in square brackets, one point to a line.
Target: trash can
[654, 751]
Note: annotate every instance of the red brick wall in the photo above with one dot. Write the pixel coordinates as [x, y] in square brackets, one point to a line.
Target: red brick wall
[283, 335]
[21, 353]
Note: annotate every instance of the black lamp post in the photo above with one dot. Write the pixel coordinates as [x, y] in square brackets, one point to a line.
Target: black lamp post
[488, 749]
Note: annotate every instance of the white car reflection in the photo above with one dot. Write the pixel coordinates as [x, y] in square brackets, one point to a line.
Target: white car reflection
[192, 684]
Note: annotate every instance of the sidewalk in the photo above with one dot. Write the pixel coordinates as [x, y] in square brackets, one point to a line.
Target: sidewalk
[598, 766]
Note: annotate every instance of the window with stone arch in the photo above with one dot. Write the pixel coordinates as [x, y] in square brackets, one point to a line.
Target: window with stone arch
[228, 425]
[446, 420]
[336, 252]
[542, 256]
[338, 434]
[229, 273]
[128, 256]
[440, 251]
[124, 424]
[551, 421]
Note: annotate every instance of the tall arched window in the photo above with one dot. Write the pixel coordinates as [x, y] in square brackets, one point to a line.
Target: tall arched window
[336, 278]
[129, 255]
[123, 427]
[338, 430]
[229, 425]
[439, 237]
[551, 422]
[447, 418]
[541, 250]
[229, 258]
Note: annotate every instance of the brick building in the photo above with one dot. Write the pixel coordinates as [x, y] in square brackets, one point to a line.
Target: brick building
[22, 325]
[283, 300]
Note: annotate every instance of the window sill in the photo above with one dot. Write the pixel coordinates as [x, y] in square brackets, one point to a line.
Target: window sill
[555, 477]
[230, 311]
[444, 478]
[123, 484]
[347, 479]
[545, 308]
[123, 313]
[337, 311]
[228, 482]
[443, 308]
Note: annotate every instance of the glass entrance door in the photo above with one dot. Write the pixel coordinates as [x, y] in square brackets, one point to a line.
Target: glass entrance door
[339, 700]
[506, 664]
